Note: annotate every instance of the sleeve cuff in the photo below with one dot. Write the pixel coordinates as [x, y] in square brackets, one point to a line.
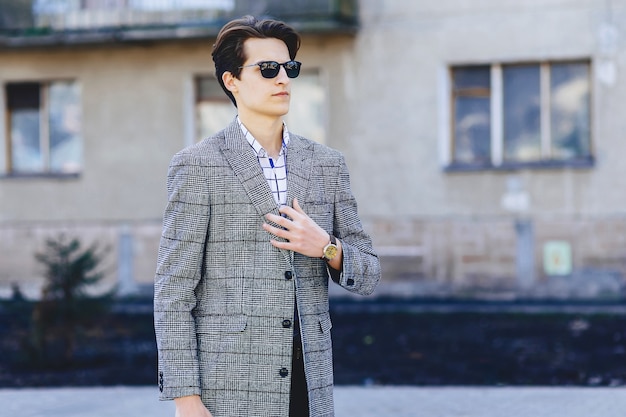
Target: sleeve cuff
[334, 274]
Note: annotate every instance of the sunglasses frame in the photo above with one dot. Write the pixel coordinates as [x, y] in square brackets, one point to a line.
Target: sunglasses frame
[274, 70]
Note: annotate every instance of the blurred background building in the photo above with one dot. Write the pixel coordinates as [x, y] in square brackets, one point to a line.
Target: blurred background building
[484, 138]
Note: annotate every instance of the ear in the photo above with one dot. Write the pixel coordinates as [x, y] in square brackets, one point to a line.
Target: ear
[230, 82]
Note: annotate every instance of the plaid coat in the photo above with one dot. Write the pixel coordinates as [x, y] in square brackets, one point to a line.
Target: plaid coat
[223, 292]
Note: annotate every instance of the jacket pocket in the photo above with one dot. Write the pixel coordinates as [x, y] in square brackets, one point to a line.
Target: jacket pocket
[218, 335]
[217, 324]
[322, 213]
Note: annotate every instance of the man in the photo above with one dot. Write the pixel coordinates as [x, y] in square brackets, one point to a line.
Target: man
[257, 221]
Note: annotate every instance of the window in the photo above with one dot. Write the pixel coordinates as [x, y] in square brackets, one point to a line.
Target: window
[227, 5]
[43, 128]
[64, 6]
[214, 110]
[521, 115]
[306, 117]
[472, 115]
[307, 110]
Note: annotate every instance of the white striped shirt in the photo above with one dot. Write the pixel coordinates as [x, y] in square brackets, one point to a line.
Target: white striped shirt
[275, 170]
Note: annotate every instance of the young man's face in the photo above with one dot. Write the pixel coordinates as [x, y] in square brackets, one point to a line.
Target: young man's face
[258, 96]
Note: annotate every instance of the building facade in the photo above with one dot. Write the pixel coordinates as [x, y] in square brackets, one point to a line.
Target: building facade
[484, 140]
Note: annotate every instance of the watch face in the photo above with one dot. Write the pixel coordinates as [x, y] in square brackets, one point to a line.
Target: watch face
[330, 252]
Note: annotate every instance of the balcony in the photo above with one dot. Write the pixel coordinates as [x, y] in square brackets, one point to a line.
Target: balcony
[27, 23]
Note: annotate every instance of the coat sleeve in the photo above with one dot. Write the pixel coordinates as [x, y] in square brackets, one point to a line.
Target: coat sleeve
[361, 268]
[179, 268]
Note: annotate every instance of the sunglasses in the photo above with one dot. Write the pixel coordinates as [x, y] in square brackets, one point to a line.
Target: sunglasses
[270, 69]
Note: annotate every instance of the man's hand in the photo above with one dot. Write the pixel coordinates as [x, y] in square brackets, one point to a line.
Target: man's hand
[191, 406]
[303, 235]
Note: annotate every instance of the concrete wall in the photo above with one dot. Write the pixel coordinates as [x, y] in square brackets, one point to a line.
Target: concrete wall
[443, 233]
[401, 55]
[454, 222]
[137, 111]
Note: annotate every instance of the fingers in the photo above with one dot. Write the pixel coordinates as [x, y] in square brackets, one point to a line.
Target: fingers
[296, 231]
[292, 214]
[288, 211]
[296, 206]
[276, 231]
[281, 221]
[291, 211]
[280, 245]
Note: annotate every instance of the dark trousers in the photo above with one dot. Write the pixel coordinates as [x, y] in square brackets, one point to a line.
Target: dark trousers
[299, 398]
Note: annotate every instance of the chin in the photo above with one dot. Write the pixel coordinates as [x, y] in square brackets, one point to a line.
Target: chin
[280, 112]
[272, 109]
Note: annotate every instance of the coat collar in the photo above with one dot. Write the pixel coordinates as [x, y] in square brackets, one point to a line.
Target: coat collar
[245, 164]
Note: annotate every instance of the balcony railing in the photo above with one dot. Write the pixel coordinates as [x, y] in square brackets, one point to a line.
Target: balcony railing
[49, 22]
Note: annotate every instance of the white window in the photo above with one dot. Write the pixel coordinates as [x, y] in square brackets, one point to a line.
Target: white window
[43, 122]
[535, 114]
[306, 117]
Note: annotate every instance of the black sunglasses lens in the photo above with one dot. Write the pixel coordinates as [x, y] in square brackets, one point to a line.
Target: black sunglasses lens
[292, 68]
[269, 69]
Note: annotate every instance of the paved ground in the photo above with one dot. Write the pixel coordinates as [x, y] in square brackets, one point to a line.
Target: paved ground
[350, 402]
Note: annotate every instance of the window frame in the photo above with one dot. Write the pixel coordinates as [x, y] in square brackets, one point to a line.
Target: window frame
[497, 161]
[6, 166]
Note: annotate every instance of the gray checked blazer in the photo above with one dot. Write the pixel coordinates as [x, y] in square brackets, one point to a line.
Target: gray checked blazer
[222, 291]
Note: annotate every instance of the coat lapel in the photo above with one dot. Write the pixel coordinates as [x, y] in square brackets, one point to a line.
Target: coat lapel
[299, 160]
[246, 166]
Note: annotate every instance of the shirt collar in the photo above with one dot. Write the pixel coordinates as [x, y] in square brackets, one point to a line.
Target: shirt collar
[257, 146]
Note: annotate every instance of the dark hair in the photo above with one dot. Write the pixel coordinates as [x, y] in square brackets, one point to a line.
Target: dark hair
[228, 53]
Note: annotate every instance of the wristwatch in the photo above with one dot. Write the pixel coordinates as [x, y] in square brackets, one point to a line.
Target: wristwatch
[330, 250]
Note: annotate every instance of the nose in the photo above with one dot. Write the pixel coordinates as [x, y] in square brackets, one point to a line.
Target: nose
[282, 77]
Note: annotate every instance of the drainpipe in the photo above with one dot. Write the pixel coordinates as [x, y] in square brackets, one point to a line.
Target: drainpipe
[125, 280]
[516, 200]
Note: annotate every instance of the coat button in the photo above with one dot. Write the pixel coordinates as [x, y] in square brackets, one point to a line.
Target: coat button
[288, 275]
[286, 323]
[350, 282]
[284, 372]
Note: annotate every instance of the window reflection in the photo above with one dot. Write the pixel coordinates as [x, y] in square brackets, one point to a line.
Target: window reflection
[522, 114]
[45, 127]
[472, 114]
[465, 78]
[214, 110]
[543, 109]
[65, 128]
[570, 110]
[25, 143]
[472, 130]
[307, 115]
[23, 103]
